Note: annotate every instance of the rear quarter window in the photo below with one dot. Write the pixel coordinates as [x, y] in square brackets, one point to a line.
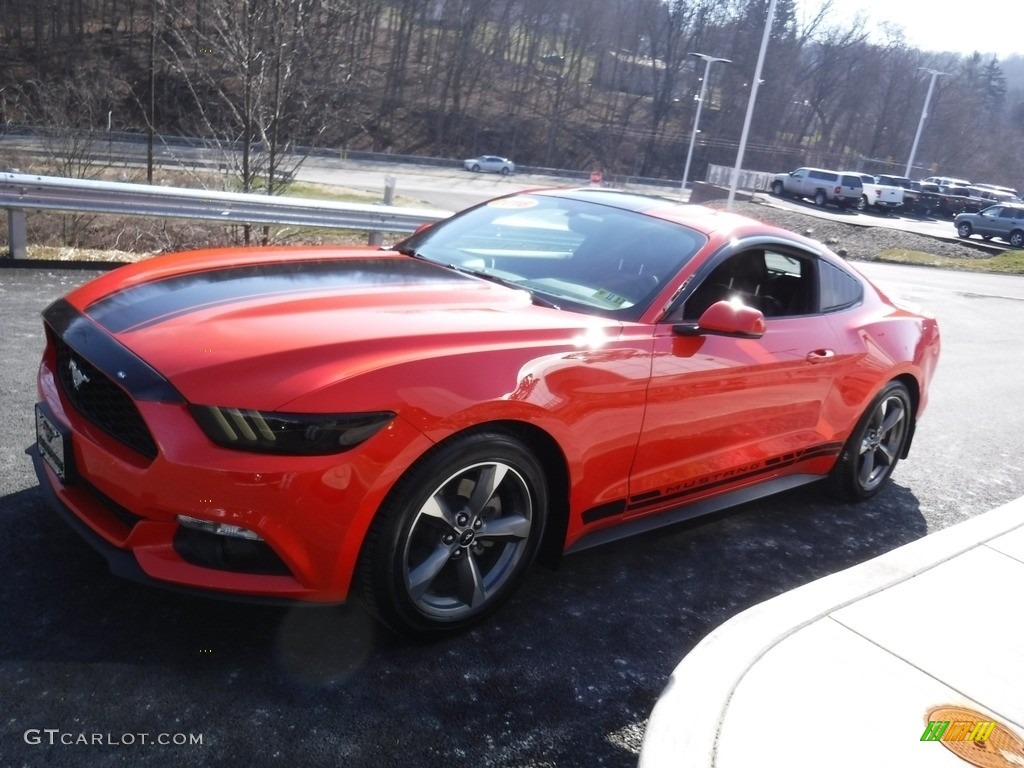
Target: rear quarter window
[839, 289]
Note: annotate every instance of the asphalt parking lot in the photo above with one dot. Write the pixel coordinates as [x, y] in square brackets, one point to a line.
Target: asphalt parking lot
[96, 671]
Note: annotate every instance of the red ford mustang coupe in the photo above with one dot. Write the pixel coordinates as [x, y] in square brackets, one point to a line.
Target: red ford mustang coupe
[538, 374]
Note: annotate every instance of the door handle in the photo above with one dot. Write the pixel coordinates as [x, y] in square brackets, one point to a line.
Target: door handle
[820, 355]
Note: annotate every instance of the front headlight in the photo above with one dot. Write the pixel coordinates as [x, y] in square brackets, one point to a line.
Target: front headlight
[297, 434]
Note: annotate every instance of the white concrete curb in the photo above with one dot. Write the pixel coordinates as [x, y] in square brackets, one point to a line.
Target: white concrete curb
[684, 727]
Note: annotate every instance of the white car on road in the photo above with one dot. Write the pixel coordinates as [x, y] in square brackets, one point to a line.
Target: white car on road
[491, 163]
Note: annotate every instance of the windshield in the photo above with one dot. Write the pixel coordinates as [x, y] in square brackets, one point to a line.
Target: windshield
[569, 253]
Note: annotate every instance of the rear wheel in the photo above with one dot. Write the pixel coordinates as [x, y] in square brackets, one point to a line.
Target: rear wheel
[778, 189]
[455, 536]
[1017, 238]
[862, 203]
[820, 199]
[875, 446]
[964, 229]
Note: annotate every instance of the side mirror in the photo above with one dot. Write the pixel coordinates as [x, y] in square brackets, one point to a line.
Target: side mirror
[726, 318]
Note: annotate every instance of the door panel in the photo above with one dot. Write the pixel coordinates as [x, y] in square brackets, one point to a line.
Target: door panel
[723, 412]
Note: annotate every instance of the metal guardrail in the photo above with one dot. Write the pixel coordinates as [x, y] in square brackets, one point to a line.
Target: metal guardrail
[27, 192]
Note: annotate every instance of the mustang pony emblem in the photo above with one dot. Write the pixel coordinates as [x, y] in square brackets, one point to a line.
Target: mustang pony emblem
[77, 377]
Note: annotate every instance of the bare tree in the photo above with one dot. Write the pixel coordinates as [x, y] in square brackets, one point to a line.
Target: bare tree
[258, 74]
[70, 112]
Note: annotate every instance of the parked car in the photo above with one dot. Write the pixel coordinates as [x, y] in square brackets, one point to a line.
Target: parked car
[971, 201]
[1005, 222]
[947, 181]
[878, 195]
[1000, 190]
[993, 195]
[945, 202]
[912, 194]
[822, 186]
[538, 374]
[490, 163]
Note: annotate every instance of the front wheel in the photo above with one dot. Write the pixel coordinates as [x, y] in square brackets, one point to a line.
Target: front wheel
[862, 203]
[504, 171]
[964, 229]
[455, 536]
[875, 446]
[475, 168]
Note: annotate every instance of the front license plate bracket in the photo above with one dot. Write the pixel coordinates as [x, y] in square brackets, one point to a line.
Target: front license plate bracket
[54, 444]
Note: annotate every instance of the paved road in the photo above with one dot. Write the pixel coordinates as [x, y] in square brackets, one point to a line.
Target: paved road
[565, 675]
[447, 188]
[454, 189]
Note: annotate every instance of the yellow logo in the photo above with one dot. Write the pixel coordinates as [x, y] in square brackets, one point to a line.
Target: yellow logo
[974, 737]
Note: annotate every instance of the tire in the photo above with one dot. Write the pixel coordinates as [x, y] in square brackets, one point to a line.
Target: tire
[504, 171]
[778, 189]
[862, 203]
[1017, 239]
[964, 229]
[875, 446]
[455, 535]
[475, 168]
[820, 199]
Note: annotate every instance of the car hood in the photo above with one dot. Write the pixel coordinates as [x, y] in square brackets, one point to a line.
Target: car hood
[260, 335]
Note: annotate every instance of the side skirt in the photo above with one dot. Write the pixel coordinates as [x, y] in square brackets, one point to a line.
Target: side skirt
[690, 511]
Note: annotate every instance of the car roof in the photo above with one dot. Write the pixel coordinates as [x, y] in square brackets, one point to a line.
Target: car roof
[698, 217]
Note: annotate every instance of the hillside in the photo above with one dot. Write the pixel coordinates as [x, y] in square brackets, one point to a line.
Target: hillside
[573, 85]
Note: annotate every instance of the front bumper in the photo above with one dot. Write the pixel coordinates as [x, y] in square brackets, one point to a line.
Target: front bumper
[123, 562]
[311, 513]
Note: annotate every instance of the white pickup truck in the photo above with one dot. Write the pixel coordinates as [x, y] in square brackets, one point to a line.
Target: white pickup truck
[877, 195]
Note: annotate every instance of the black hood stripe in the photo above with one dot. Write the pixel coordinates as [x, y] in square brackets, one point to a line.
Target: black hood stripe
[173, 296]
[119, 364]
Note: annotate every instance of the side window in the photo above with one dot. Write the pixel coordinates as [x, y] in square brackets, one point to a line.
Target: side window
[789, 289]
[777, 283]
[839, 290]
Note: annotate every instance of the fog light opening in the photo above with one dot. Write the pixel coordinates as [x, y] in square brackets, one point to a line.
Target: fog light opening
[218, 529]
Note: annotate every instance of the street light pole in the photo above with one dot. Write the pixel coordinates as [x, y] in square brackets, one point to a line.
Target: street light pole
[735, 181]
[924, 114]
[709, 60]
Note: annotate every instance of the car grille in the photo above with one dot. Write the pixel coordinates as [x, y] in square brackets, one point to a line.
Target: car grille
[101, 401]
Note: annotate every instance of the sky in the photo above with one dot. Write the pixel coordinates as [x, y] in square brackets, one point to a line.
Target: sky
[986, 26]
